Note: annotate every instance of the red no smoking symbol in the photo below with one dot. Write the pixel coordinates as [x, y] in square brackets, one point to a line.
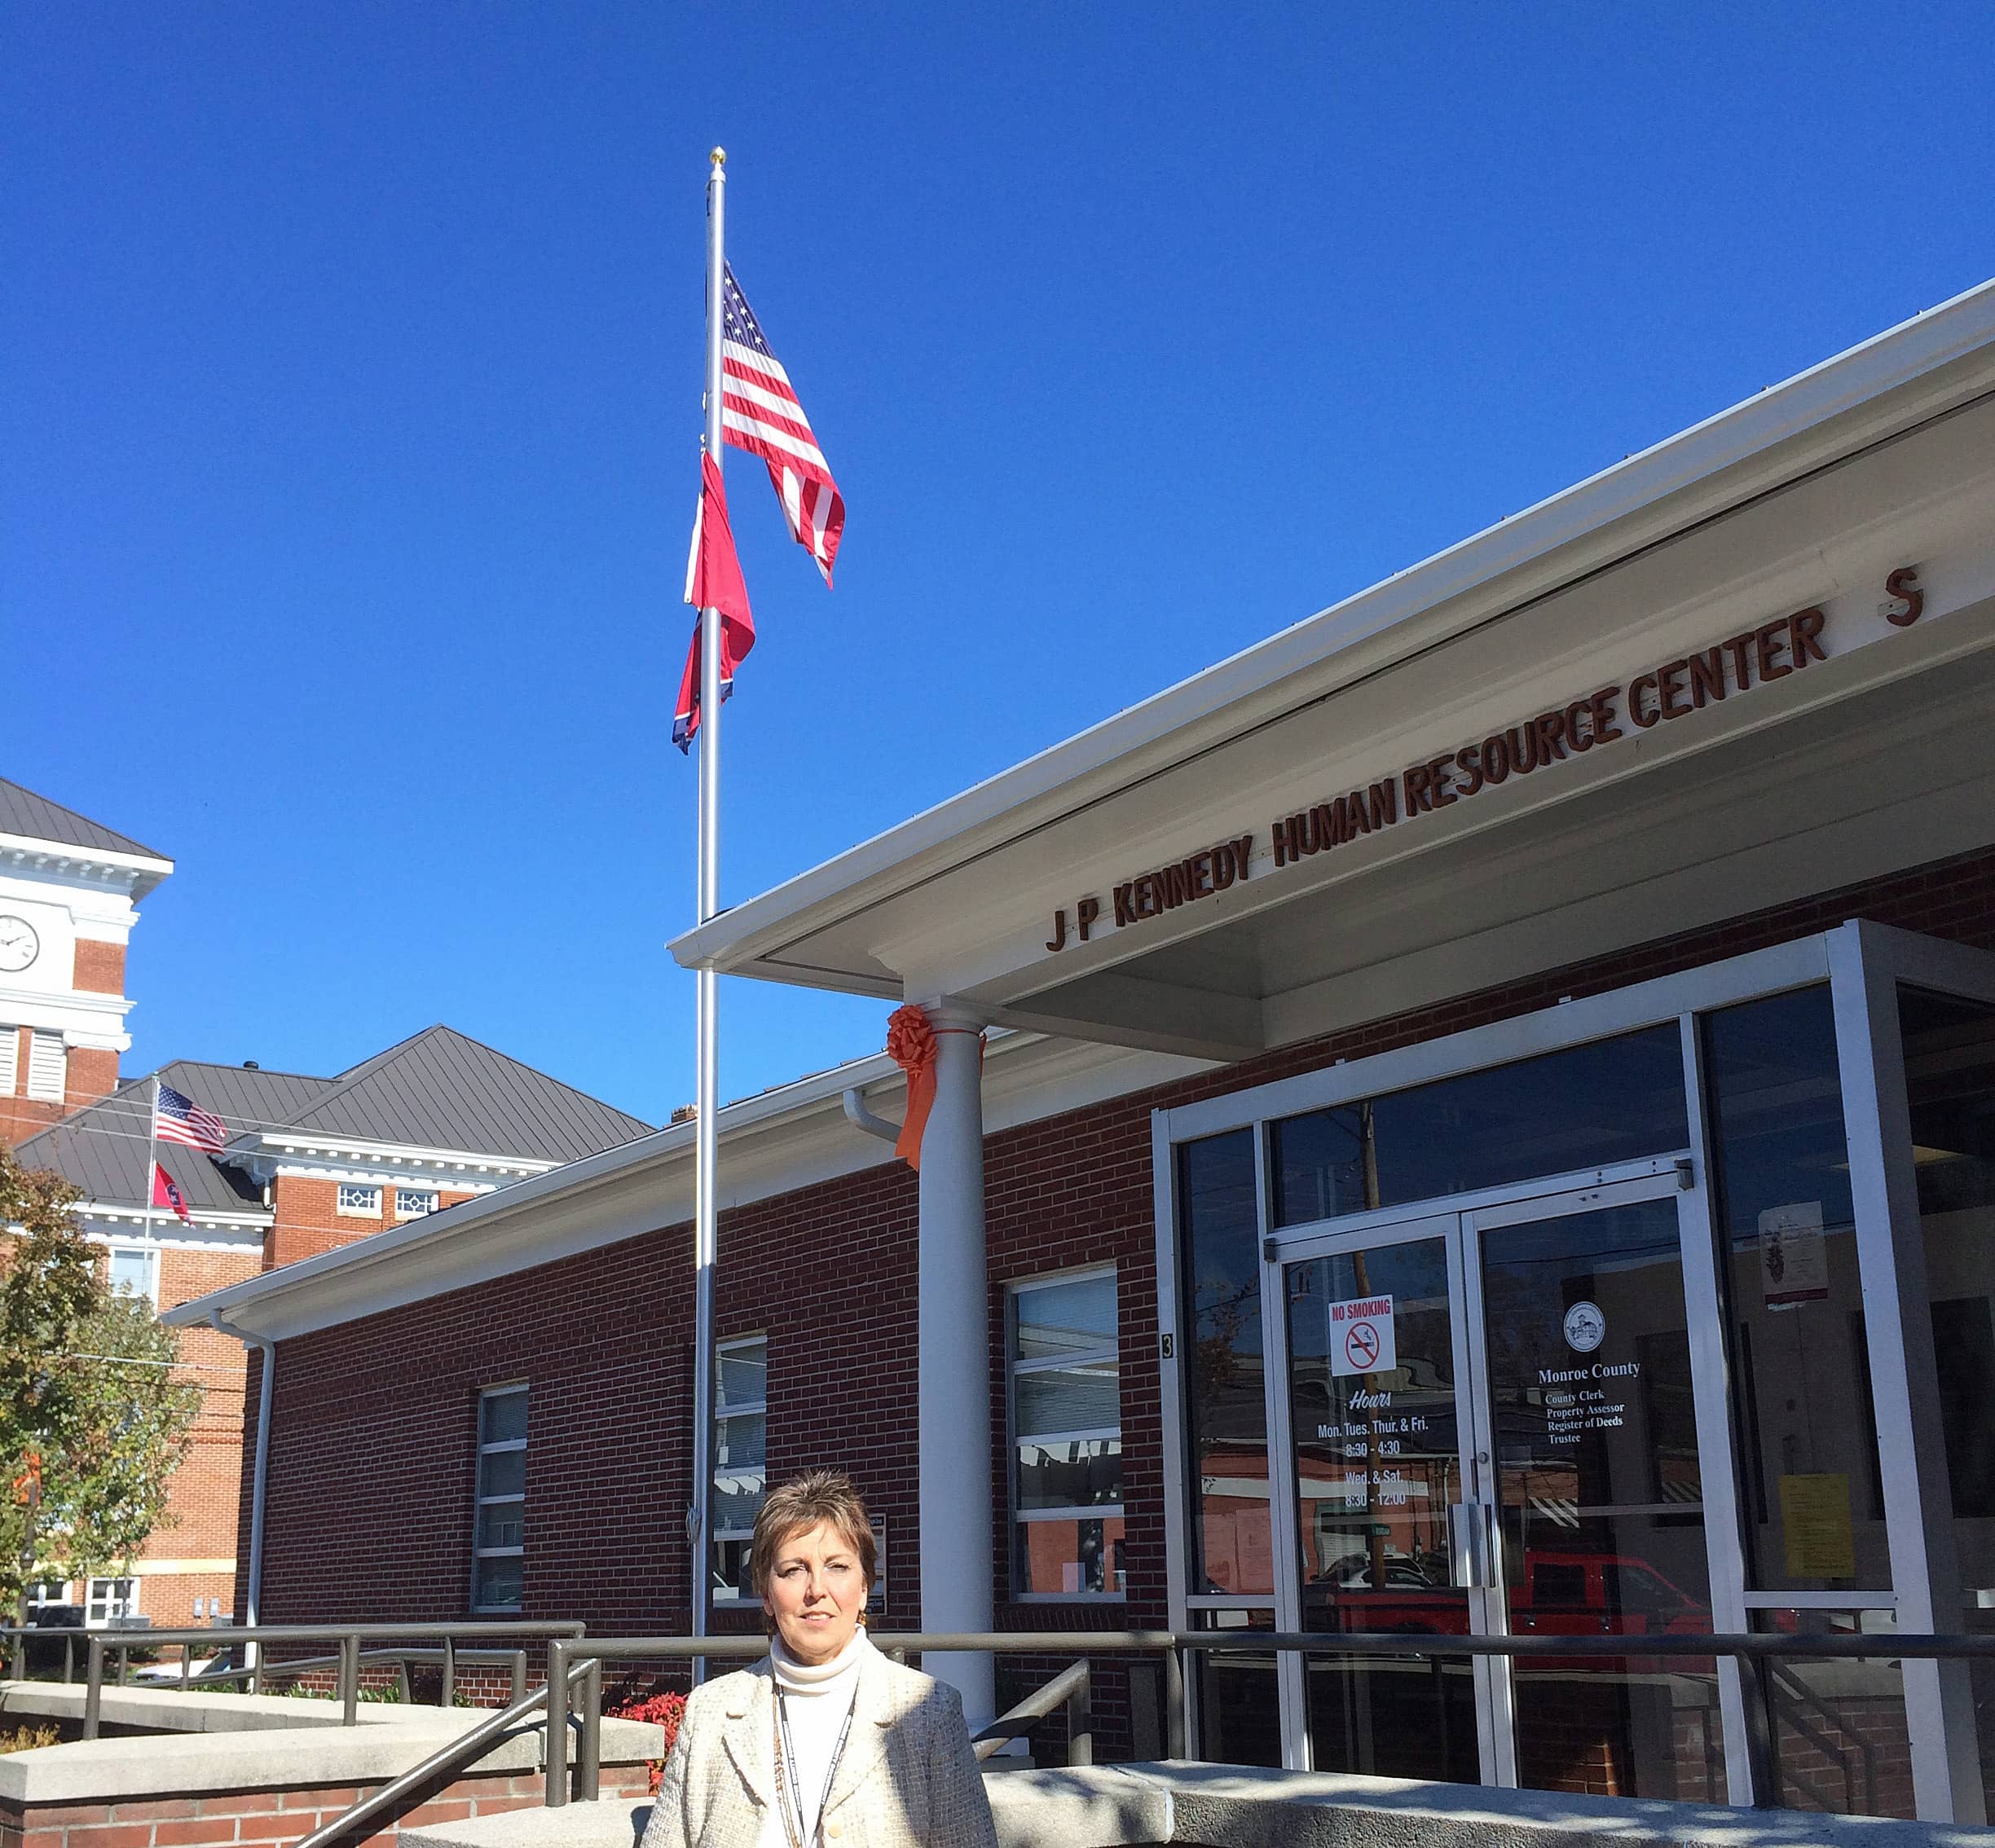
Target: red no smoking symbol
[1361, 1345]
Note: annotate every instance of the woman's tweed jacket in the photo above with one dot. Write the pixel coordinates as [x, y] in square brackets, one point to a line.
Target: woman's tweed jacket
[907, 1779]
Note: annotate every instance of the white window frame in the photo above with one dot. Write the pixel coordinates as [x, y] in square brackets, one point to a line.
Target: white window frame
[431, 1195]
[113, 1605]
[10, 1060]
[723, 1412]
[1110, 1351]
[341, 1188]
[48, 1067]
[480, 1501]
[150, 1253]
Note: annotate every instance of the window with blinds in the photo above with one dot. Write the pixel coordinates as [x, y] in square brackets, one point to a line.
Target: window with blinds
[10, 1061]
[47, 1068]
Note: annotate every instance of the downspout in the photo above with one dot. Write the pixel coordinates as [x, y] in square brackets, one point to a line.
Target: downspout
[253, 1598]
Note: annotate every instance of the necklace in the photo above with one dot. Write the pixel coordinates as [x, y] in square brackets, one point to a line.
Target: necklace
[789, 1789]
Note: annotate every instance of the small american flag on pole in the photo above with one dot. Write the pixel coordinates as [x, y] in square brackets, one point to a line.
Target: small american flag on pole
[181, 1120]
[759, 413]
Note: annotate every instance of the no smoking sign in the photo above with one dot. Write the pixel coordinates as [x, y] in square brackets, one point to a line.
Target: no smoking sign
[1361, 1336]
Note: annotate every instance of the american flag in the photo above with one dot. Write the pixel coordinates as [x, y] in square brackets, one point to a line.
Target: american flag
[759, 413]
[181, 1120]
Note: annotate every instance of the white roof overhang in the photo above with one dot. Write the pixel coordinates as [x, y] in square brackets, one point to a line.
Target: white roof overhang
[1807, 496]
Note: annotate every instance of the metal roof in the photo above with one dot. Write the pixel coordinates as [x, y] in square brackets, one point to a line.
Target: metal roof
[103, 1149]
[442, 1089]
[437, 1090]
[34, 817]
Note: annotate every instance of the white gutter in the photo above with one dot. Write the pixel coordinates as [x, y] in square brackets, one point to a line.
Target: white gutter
[253, 1593]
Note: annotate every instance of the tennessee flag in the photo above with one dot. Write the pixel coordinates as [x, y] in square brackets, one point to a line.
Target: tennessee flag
[164, 1193]
[713, 582]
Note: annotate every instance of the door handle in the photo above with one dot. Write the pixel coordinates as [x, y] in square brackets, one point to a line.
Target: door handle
[1472, 1548]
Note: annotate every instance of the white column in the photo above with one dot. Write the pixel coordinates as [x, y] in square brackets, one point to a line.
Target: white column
[958, 1547]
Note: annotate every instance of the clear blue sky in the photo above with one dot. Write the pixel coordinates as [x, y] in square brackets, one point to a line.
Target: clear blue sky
[350, 357]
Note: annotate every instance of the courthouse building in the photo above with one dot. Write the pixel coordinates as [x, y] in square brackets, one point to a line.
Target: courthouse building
[1487, 1125]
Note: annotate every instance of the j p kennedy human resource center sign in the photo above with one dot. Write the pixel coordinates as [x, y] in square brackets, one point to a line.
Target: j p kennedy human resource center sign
[1595, 719]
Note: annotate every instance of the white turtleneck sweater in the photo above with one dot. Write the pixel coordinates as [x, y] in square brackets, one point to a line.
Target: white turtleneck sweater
[817, 1701]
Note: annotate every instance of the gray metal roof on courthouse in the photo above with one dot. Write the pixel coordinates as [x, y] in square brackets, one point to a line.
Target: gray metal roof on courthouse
[34, 817]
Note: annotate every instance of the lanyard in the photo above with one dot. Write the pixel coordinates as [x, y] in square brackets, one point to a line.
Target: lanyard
[787, 1769]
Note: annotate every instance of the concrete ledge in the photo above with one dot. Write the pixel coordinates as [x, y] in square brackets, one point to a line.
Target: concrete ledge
[254, 1754]
[1101, 1806]
[1231, 1807]
[197, 1710]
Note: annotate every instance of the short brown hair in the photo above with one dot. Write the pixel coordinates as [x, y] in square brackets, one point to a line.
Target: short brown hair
[817, 1495]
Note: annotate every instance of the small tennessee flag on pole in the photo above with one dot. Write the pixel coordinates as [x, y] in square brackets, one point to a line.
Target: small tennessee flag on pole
[713, 582]
[164, 1193]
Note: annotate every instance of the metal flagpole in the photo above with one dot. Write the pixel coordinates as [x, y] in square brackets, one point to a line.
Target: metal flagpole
[707, 1104]
[152, 1173]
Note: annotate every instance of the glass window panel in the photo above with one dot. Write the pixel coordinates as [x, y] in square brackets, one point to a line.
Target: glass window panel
[1070, 1558]
[503, 1416]
[1949, 1052]
[1227, 1416]
[741, 1443]
[131, 1274]
[1066, 1318]
[502, 1523]
[737, 1499]
[731, 1576]
[744, 1375]
[1807, 1450]
[1586, 1106]
[1069, 1398]
[1838, 1727]
[496, 1583]
[1239, 1707]
[1079, 1475]
[503, 1472]
[1603, 1523]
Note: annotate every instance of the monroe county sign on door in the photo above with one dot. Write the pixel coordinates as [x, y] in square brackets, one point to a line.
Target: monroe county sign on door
[1361, 1336]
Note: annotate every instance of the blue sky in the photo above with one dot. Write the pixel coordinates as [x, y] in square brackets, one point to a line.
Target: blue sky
[350, 358]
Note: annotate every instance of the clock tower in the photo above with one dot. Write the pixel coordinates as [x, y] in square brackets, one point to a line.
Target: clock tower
[69, 892]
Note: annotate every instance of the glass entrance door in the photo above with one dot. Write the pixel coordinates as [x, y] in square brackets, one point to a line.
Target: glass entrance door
[1596, 1494]
[1492, 1430]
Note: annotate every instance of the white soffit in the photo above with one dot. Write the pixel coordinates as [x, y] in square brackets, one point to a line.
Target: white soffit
[1807, 494]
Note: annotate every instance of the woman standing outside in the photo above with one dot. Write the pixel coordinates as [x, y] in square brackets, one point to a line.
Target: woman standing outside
[828, 1743]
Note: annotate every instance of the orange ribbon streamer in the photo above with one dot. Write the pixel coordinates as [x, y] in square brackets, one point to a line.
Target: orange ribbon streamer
[911, 1046]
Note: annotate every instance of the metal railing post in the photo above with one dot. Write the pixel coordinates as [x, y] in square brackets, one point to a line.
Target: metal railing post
[588, 1755]
[93, 1689]
[350, 1678]
[1174, 1704]
[1762, 1766]
[69, 1660]
[1080, 1720]
[449, 1696]
[519, 1676]
[558, 1724]
[20, 1655]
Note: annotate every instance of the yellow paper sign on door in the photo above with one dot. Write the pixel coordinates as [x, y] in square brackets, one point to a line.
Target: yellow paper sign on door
[1817, 1526]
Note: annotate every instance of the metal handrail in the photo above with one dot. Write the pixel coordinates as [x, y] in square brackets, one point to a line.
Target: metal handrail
[349, 1637]
[20, 1635]
[463, 1751]
[1749, 1651]
[1070, 1688]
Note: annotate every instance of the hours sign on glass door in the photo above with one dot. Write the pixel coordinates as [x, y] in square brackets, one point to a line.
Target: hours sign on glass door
[1361, 1336]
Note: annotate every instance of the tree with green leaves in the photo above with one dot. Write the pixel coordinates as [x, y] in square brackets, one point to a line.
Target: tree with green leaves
[89, 1404]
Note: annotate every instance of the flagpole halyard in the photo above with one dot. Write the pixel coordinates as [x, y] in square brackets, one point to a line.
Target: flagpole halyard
[708, 1053]
[152, 1175]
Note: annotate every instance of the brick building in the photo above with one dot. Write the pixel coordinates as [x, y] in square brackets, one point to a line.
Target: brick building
[1485, 1126]
[310, 1165]
[70, 893]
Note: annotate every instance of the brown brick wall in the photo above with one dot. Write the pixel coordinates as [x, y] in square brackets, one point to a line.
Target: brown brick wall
[373, 1466]
[309, 1220]
[91, 1075]
[214, 1818]
[99, 968]
[87, 1076]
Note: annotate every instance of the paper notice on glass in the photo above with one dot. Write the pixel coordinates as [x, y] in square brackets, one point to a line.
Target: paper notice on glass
[1816, 1526]
[1361, 1336]
[1794, 1262]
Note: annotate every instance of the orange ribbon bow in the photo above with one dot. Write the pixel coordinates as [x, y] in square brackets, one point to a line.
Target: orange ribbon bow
[911, 1046]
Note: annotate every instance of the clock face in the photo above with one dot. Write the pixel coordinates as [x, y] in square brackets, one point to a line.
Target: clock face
[19, 944]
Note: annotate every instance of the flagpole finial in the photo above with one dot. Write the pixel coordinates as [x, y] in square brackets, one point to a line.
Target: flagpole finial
[719, 156]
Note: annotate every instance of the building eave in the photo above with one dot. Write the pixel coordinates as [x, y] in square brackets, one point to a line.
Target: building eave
[1893, 382]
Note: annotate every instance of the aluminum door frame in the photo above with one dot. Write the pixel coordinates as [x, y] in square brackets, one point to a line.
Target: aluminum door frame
[1528, 1211]
[1278, 1254]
